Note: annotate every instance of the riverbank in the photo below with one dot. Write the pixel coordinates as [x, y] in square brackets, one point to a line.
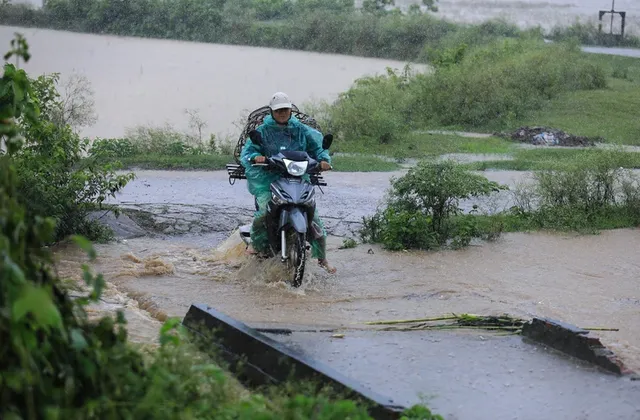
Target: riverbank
[329, 27]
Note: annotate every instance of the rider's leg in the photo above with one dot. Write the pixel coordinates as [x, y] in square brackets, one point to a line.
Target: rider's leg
[259, 238]
[319, 245]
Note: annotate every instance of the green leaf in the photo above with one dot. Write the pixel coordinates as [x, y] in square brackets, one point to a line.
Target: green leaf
[120, 318]
[165, 332]
[36, 301]
[78, 341]
[98, 287]
[87, 276]
[13, 271]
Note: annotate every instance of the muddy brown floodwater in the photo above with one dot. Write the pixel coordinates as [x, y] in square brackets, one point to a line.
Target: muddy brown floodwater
[590, 281]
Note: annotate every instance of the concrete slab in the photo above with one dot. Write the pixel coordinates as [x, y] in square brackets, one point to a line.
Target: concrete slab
[473, 376]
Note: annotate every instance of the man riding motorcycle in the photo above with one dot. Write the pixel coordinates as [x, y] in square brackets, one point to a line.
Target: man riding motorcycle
[282, 131]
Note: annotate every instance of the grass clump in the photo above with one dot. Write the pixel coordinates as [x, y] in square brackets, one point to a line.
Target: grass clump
[349, 243]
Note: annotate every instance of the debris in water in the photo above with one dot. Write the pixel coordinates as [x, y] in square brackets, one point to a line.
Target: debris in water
[337, 336]
[504, 323]
[549, 137]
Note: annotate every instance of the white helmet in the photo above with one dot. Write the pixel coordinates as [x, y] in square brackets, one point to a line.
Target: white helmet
[279, 100]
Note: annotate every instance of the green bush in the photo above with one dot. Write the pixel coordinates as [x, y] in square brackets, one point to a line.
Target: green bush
[114, 148]
[503, 81]
[53, 176]
[423, 212]
[580, 195]
[374, 109]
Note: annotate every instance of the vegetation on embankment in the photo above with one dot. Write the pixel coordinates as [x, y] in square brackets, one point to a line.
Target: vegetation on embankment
[423, 211]
[589, 34]
[556, 86]
[330, 26]
[551, 159]
[56, 363]
[171, 150]
[499, 86]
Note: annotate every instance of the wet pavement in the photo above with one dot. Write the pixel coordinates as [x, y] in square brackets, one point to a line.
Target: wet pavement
[473, 376]
[204, 201]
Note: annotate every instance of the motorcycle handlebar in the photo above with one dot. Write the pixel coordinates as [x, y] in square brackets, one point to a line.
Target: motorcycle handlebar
[269, 163]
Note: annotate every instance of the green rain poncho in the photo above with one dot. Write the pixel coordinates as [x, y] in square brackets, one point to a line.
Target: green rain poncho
[294, 136]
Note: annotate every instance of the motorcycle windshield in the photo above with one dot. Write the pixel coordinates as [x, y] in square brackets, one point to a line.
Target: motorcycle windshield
[294, 155]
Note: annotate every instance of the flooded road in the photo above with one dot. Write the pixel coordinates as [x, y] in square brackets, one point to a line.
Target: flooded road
[471, 376]
[590, 281]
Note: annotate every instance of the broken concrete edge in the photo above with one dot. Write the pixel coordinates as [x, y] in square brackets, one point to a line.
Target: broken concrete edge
[575, 342]
[258, 360]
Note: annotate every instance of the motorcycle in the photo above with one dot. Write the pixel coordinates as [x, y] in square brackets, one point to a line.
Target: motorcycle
[290, 212]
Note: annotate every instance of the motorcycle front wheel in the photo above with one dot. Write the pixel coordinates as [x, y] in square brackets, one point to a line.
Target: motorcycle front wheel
[297, 253]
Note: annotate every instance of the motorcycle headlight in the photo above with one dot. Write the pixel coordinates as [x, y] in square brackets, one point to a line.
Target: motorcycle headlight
[296, 168]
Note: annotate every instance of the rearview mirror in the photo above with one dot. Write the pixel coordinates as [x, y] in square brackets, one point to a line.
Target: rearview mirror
[256, 137]
[327, 141]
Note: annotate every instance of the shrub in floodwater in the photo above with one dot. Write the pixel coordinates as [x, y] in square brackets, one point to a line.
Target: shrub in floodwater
[592, 191]
[422, 210]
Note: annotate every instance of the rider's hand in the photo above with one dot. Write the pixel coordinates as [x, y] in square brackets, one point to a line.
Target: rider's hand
[260, 159]
[324, 166]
